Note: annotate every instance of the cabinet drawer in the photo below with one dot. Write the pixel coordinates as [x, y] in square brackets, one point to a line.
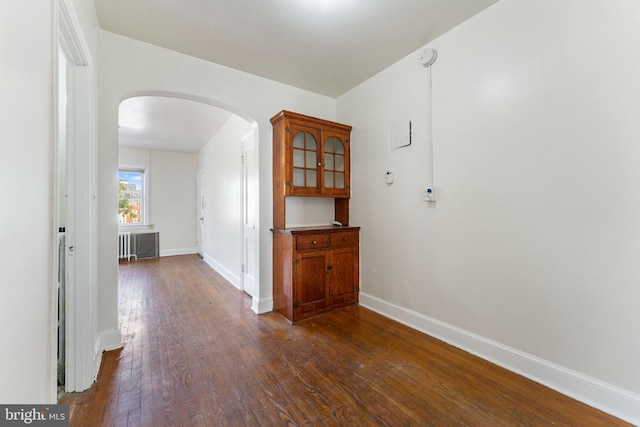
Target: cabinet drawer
[344, 239]
[312, 242]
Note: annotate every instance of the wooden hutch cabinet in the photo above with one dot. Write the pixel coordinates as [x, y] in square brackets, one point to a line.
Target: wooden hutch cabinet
[315, 269]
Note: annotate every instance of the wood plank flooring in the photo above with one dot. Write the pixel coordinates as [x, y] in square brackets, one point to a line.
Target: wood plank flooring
[195, 355]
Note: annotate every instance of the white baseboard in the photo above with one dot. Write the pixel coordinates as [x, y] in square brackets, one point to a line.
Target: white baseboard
[105, 341]
[224, 271]
[262, 306]
[258, 306]
[174, 252]
[598, 394]
[110, 340]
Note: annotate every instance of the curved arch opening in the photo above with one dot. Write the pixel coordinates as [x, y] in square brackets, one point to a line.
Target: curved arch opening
[199, 162]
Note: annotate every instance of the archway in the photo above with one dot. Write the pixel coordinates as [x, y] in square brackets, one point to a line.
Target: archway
[147, 123]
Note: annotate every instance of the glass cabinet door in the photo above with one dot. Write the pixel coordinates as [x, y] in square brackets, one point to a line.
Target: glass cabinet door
[305, 160]
[334, 163]
[316, 160]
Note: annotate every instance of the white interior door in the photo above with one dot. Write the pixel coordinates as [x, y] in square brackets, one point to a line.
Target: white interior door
[250, 215]
[200, 210]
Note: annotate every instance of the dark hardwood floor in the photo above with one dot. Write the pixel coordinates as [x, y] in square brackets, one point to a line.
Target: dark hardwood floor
[195, 355]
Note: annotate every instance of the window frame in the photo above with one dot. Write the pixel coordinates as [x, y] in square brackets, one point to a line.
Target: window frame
[144, 223]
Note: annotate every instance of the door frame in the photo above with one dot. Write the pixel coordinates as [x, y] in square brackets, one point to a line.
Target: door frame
[250, 140]
[81, 357]
[200, 208]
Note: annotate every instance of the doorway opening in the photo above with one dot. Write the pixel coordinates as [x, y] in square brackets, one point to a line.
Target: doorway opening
[201, 166]
[74, 316]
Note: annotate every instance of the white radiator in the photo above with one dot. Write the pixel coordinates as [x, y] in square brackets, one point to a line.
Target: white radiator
[124, 246]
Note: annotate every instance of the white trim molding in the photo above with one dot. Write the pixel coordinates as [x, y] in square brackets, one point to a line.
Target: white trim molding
[70, 33]
[109, 340]
[261, 306]
[182, 251]
[598, 394]
[258, 306]
[224, 271]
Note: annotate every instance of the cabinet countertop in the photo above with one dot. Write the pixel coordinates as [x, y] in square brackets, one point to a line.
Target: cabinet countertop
[315, 229]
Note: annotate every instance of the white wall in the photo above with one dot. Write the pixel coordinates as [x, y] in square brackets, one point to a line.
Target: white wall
[26, 116]
[221, 166]
[173, 201]
[171, 196]
[529, 257]
[29, 251]
[129, 68]
[134, 157]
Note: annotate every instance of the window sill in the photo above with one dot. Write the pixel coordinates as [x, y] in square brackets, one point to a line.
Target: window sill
[135, 227]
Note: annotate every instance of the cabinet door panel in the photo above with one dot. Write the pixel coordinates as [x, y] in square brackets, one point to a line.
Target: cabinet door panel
[303, 146]
[311, 288]
[335, 162]
[344, 271]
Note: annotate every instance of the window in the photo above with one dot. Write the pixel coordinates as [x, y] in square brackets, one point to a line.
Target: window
[131, 209]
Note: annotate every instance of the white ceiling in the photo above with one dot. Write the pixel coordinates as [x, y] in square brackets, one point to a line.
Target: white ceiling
[169, 124]
[324, 46]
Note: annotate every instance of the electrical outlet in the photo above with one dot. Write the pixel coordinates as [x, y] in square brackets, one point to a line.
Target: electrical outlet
[429, 195]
